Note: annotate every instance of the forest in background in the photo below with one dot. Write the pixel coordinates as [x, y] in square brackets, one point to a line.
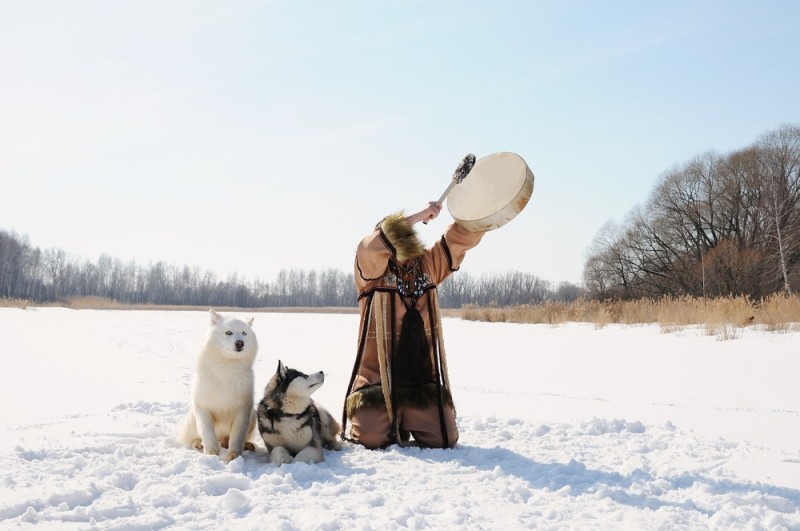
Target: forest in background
[51, 275]
[716, 226]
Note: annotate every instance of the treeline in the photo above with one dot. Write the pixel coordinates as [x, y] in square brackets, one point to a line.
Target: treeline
[26, 272]
[718, 225]
[503, 289]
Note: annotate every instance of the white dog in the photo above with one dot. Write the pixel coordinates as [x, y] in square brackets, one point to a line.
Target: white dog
[221, 409]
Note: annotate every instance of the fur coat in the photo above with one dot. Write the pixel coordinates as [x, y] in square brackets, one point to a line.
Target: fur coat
[395, 272]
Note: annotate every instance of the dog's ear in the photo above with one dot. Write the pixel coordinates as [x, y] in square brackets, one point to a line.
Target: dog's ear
[250, 321]
[215, 317]
[281, 369]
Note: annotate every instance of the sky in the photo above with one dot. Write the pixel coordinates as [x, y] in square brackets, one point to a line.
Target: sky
[248, 137]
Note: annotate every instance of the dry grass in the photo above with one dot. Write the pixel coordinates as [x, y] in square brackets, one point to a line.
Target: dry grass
[15, 303]
[101, 303]
[723, 317]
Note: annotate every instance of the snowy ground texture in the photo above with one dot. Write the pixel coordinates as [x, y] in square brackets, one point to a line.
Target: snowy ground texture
[567, 427]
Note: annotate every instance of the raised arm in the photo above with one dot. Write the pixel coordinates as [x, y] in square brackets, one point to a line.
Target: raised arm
[448, 253]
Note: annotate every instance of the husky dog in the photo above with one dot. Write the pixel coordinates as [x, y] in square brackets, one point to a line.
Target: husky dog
[294, 427]
[221, 410]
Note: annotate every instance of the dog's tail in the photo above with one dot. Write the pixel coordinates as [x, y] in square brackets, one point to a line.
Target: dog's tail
[186, 432]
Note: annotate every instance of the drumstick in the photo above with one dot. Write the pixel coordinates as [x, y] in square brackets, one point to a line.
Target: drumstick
[460, 173]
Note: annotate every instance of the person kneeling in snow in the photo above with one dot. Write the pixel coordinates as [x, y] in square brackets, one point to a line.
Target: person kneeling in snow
[399, 385]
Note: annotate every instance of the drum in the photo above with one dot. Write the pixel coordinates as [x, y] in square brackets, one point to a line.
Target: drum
[495, 191]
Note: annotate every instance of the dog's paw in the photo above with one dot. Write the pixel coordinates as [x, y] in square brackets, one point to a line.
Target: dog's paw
[280, 456]
[197, 444]
[211, 450]
[231, 456]
[334, 444]
[223, 441]
[309, 455]
[250, 446]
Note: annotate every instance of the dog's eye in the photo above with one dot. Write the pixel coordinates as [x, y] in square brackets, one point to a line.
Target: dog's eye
[228, 333]
[244, 333]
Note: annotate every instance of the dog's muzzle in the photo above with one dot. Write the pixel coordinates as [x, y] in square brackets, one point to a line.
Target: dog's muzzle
[239, 345]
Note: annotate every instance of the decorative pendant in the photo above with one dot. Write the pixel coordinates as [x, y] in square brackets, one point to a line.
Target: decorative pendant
[407, 287]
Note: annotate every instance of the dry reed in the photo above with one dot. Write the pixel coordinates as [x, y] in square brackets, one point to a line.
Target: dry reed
[102, 303]
[722, 316]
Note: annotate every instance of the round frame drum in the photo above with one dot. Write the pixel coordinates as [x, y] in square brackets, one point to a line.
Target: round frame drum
[495, 191]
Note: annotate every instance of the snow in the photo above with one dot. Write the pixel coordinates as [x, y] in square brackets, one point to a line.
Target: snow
[561, 427]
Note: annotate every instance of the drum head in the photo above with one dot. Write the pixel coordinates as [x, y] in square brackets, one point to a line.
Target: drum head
[495, 191]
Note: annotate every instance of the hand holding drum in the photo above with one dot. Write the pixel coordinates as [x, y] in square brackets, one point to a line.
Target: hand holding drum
[461, 172]
[498, 188]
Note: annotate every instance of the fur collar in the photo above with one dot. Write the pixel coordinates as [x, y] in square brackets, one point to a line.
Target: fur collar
[402, 236]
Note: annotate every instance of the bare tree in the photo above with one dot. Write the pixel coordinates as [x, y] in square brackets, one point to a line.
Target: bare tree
[780, 156]
[608, 271]
[55, 263]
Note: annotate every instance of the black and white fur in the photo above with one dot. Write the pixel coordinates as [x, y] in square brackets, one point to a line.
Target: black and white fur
[294, 427]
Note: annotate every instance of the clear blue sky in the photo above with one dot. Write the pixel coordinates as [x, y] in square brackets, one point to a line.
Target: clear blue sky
[253, 136]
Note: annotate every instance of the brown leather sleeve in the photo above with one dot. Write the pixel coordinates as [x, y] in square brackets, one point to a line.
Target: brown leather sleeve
[448, 253]
[372, 257]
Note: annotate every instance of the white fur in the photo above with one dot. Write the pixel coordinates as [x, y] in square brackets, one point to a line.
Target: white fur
[221, 404]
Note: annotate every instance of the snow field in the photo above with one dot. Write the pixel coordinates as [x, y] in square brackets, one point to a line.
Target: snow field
[561, 428]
